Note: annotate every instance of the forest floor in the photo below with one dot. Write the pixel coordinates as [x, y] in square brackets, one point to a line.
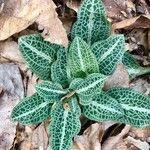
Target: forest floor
[21, 17]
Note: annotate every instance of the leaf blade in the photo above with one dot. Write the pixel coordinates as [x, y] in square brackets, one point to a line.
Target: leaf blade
[38, 54]
[85, 88]
[133, 67]
[102, 108]
[81, 60]
[50, 91]
[65, 124]
[31, 110]
[135, 104]
[59, 68]
[109, 52]
[91, 24]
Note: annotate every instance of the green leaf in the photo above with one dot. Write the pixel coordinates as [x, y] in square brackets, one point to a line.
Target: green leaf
[59, 68]
[31, 110]
[133, 67]
[87, 87]
[65, 124]
[109, 52]
[102, 107]
[136, 106]
[81, 60]
[38, 54]
[91, 24]
[50, 91]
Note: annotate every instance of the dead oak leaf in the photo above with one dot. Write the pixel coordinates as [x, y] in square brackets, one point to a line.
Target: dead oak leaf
[142, 21]
[17, 15]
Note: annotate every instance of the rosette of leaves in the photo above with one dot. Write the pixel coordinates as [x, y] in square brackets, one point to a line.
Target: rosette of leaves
[74, 78]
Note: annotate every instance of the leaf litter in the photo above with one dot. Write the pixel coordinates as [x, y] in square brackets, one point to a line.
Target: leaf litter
[17, 16]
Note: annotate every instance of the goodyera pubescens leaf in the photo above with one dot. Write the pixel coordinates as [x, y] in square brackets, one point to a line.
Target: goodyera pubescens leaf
[59, 68]
[31, 110]
[109, 52]
[87, 87]
[81, 60]
[133, 67]
[103, 107]
[38, 54]
[74, 79]
[91, 24]
[65, 124]
[136, 106]
[50, 91]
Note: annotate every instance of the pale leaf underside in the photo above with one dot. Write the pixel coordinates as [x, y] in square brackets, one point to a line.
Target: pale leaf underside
[133, 67]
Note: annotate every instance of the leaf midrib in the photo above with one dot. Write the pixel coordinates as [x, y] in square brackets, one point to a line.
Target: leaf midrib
[108, 52]
[139, 109]
[89, 86]
[42, 105]
[65, 115]
[41, 54]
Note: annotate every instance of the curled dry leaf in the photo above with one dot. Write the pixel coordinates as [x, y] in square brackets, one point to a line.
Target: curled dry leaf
[40, 138]
[9, 50]
[73, 4]
[90, 139]
[149, 39]
[112, 141]
[116, 10]
[92, 136]
[122, 77]
[17, 15]
[138, 143]
[1, 5]
[11, 83]
[141, 85]
[140, 133]
[136, 22]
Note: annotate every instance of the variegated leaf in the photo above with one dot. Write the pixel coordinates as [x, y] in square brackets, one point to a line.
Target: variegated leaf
[50, 91]
[102, 107]
[81, 60]
[133, 67]
[109, 52]
[65, 124]
[38, 54]
[136, 106]
[59, 68]
[31, 110]
[91, 24]
[87, 87]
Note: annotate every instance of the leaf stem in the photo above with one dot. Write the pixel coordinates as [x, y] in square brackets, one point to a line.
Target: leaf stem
[66, 97]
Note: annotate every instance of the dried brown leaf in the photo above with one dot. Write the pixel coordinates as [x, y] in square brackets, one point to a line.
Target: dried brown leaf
[11, 83]
[92, 136]
[40, 138]
[136, 22]
[73, 4]
[19, 14]
[122, 77]
[138, 143]
[112, 141]
[9, 50]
